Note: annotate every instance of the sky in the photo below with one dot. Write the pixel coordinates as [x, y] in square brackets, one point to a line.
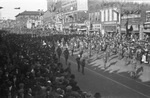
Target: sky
[8, 11]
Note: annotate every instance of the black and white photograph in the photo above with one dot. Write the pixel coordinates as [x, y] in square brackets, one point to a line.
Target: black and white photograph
[74, 48]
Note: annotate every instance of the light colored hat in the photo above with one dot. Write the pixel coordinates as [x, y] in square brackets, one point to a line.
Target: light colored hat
[78, 55]
[69, 87]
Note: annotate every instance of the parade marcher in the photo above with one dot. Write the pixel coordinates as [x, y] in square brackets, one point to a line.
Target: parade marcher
[59, 52]
[81, 53]
[66, 55]
[126, 55]
[105, 59]
[134, 67]
[138, 55]
[120, 55]
[78, 62]
[144, 59]
[83, 62]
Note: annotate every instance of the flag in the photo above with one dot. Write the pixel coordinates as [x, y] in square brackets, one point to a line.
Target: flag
[17, 8]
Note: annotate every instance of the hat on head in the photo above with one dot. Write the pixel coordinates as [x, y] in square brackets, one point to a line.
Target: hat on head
[97, 95]
[69, 87]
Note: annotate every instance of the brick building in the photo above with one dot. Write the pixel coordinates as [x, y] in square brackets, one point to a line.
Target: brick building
[29, 19]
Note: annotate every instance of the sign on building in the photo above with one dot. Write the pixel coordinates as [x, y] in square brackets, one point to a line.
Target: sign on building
[147, 16]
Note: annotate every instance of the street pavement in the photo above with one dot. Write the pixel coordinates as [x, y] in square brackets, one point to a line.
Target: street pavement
[113, 82]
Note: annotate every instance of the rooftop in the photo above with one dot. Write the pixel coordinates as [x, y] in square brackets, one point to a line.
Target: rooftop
[29, 13]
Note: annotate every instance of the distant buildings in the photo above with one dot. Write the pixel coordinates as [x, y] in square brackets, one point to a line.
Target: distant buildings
[29, 19]
[98, 15]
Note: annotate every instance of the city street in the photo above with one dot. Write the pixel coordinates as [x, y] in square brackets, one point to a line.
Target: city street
[110, 85]
[110, 39]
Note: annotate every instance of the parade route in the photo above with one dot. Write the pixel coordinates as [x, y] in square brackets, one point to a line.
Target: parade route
[110, 85]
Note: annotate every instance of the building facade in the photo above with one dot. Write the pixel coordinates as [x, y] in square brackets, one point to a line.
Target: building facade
[104, 16]
[146, 20]
[29, 19]
[74, 13]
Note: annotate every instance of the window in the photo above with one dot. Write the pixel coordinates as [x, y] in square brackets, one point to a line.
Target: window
[102, 15]
[92, 16]
[110, 14]
[106, 15]
[98, 16]
[95, 16]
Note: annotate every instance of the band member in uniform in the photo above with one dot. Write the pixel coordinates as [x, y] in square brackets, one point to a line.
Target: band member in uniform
[78, 62]
[134, 67]
[105, 59]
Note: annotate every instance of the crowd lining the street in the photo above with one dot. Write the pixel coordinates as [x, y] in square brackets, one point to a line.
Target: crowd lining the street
[30, 68]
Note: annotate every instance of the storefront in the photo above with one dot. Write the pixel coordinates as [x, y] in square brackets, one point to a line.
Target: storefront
[132, 20]
[97, 28]
[110, 27]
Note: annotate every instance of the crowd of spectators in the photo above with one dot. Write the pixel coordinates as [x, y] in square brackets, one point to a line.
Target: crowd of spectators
[31, 69]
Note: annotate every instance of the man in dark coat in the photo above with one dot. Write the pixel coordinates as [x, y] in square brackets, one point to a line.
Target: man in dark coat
[59, 52]
[66, 54]
[78, 62]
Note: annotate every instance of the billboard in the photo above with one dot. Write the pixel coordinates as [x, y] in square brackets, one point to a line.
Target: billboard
[82, 5]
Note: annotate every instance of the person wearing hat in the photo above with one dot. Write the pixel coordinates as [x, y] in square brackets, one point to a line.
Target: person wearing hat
[97, 95]
[78, 62]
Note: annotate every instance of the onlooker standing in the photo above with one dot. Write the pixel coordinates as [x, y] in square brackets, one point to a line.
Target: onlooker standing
[66, 54]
